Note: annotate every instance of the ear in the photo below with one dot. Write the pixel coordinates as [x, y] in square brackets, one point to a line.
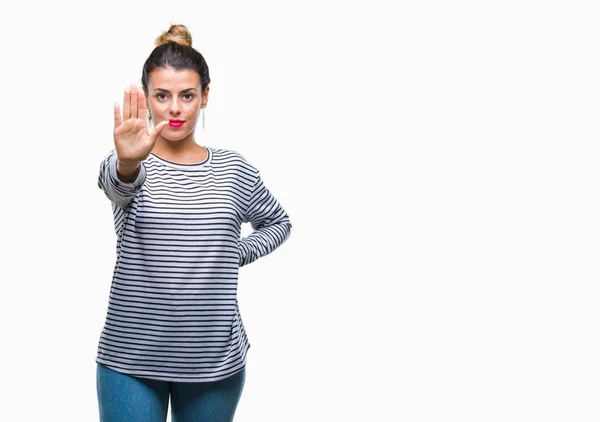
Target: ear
[205, 98]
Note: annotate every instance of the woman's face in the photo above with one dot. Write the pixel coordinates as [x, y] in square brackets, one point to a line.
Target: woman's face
[175, 95]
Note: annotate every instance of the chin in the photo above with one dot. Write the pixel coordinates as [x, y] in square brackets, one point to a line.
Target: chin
[175, 137]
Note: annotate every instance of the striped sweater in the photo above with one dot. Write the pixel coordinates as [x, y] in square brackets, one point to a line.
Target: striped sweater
[173, 313]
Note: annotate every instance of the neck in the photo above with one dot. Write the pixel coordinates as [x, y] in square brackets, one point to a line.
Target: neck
[183, 151]
[174, 147]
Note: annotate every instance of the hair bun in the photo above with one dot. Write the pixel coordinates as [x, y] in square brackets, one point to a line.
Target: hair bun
[178, 34]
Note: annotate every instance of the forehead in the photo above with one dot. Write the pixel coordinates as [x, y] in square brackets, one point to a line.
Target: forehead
[174, 79]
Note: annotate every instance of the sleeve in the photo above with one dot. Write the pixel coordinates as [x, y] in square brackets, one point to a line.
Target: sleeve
[270, 224]
[119, 192]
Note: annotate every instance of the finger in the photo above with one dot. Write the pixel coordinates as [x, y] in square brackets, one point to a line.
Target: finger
[117, 112]
[133, 101]
[126, 108]
[142, 107]
[158, 129]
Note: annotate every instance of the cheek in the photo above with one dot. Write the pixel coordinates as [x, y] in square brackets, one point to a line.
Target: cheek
[155, 109]
[197, 108]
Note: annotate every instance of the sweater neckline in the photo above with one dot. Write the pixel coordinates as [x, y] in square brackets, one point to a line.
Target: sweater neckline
[185, 166]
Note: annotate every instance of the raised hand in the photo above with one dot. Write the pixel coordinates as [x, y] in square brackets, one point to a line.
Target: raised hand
[132, 140]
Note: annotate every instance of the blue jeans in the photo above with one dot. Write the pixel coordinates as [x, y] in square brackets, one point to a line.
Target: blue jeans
[124, 398]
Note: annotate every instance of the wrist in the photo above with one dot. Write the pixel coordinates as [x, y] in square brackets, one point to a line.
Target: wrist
[127, 165]
[127, 171]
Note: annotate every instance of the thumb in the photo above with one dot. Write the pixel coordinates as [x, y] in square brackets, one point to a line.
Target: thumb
[158, 129]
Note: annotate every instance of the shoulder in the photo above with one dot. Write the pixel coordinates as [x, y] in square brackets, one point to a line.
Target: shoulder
[228, 157]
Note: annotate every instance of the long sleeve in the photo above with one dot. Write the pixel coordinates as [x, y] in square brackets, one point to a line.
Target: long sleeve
[270, 223]
[119, 192]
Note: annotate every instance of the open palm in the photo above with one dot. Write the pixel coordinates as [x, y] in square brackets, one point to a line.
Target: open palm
[132, 140]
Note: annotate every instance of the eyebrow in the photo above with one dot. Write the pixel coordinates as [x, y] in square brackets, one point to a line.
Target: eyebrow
[166, 90]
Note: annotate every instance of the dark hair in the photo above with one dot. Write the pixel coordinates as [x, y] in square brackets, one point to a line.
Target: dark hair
[174, 49]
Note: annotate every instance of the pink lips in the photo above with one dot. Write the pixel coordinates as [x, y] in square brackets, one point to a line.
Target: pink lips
[175, 123]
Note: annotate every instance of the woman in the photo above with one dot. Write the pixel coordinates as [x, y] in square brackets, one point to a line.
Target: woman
[173, 326]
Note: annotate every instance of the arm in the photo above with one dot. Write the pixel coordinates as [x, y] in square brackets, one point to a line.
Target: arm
[270, 223]
[117, 190]
[122, 172]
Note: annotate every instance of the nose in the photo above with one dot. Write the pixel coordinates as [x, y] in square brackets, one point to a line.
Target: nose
[174, 108]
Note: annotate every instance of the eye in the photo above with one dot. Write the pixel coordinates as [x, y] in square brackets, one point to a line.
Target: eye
[160, 96]
[188, 96]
